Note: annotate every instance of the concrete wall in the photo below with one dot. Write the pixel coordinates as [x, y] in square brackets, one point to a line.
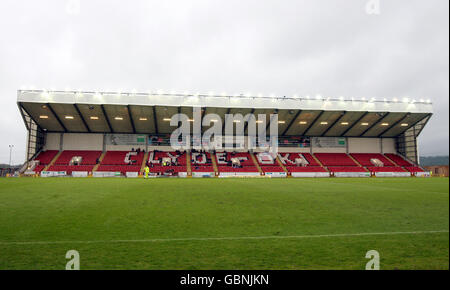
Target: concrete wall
[52, 141]
[82, 141]
[389, 145]
[364, 145]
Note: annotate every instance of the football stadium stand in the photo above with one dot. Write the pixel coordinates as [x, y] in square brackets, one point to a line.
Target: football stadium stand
[109, 134]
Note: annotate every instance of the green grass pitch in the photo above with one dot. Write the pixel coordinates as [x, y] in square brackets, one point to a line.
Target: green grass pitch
[165, 223]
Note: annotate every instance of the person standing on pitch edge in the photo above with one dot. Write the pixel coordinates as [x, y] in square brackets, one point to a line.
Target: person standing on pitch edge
[147, 170]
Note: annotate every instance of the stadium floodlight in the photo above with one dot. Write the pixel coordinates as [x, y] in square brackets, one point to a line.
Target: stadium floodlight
[404, 125]
[166, 119]
[69, 117]
[341, 98]
[308, 97]
[191, 120]
[429, 101]
[364, 124]
[303, 122]
[143, 119]
[344, 123]
[323, 123]
[395, 100]
[94, 118]
[384, 124]
[281, 122]
[43, 117]
[405, 100]
[118, 118]
[318, 97]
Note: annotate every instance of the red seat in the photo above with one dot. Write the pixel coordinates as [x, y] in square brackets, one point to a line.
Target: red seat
[386, 169]
[45, 157]
[272, 169]
[243, 169]
[118, 158]
[305, 169]
[335, 159]
[398, 159]
[346, 169]
[156, 157]
[88, 157]
[364, 159]
[119, 168]
[414, 169]
[70, 168]
[197, 168]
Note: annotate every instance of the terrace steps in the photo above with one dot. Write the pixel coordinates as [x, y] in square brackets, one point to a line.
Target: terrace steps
[214, 163]
[393, 162]
[252, 155]
[356, 161]
[282, 165]
[52, 162]
[188, 163]
[99, 161]
[144, 163]
[320, 163]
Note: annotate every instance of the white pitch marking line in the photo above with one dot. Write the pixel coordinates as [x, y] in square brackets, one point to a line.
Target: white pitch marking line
[223, 238]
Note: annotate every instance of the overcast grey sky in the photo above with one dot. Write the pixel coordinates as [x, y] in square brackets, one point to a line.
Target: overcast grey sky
[305, 47]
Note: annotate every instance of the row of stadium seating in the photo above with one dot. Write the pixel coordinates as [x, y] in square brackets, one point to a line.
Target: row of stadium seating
[158, 161]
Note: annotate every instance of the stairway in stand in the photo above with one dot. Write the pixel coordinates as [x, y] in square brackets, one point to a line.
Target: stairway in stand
[188, 164]
[144, 163]
[53, 161]
[320, 163]
[252, 155]
[214, 163]
[99, 161]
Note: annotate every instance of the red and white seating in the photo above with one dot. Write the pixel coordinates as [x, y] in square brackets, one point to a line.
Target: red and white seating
[414, 169]
[346, 169]
[335, 159]
[87, 157]
[45, 157]
[201, 162]
[365, 159]
[176, 160]
[121, 161]
[224, 160]
[398, 159]
[386, 169]
[88, 161]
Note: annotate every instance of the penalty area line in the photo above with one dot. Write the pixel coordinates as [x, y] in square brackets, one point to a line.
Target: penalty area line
[223, 238]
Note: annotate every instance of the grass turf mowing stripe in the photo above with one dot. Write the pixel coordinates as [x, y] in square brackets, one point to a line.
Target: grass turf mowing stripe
[225, 238]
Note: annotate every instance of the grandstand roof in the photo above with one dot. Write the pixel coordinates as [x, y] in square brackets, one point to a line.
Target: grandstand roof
[107, 112]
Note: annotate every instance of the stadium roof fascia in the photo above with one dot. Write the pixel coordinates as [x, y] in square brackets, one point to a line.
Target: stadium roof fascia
[405, 105]
[130, 113]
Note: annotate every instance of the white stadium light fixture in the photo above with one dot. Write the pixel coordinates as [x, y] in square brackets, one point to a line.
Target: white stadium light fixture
[323, 123]
[281, 122]
[69, 117]
[166, 119]
[344, 123]
[94, 118]
[404, 125]
[303, 123]
[43, 117]
[364, 124]
[384, 124]
[118, 118]
[143, 119]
